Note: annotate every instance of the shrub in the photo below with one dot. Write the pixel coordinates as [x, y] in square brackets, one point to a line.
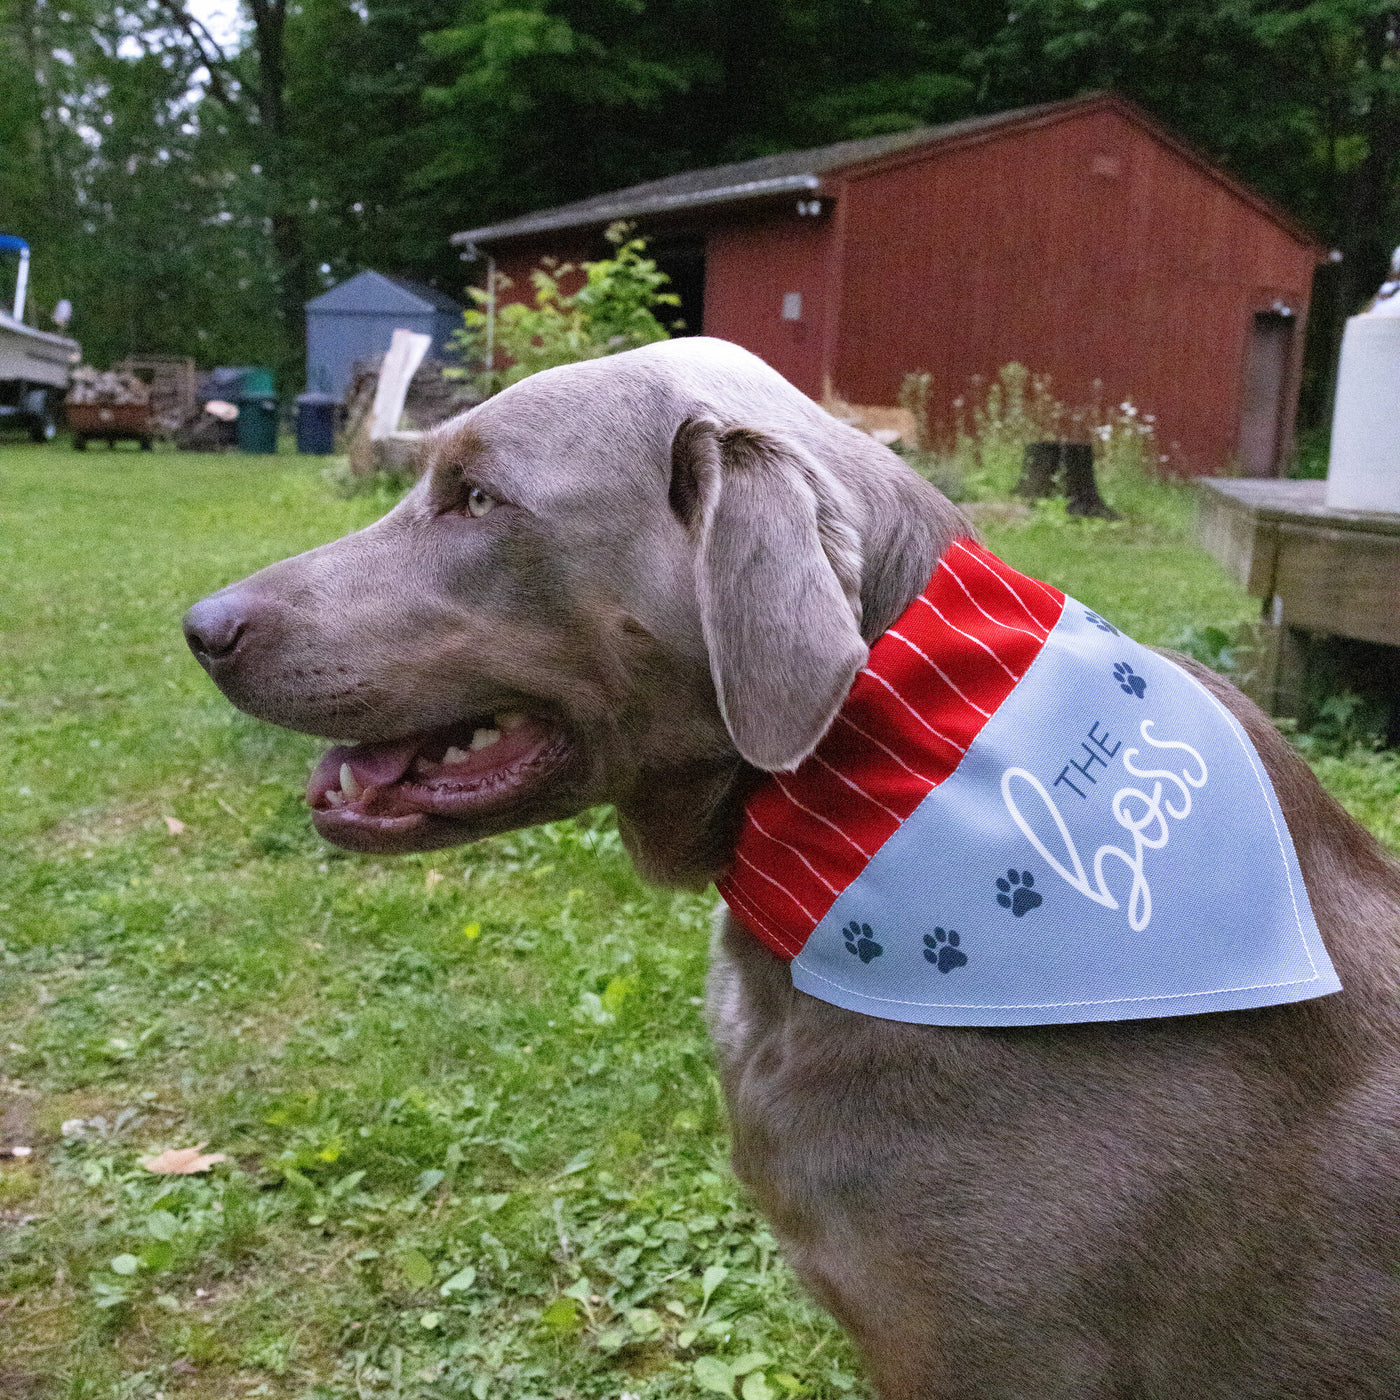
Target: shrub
[981, 458]
[615, 309]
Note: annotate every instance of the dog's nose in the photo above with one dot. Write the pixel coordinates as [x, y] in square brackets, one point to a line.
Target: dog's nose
[214, 627]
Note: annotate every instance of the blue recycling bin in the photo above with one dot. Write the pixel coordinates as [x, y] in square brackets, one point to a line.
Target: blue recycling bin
[316, 424]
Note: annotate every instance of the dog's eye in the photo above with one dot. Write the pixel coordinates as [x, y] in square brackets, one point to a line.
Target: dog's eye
[478, 502]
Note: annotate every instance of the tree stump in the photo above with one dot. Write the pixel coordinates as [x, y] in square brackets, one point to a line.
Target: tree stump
[1054, 468]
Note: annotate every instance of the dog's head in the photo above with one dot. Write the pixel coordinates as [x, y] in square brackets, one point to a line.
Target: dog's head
[632, 580]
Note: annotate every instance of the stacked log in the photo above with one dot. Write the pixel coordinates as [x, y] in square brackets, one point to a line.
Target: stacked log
[432, 398]
[107, 387]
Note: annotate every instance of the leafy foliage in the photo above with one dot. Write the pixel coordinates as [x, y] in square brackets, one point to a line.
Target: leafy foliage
[181, 220]
[127, 191]
[614, 309]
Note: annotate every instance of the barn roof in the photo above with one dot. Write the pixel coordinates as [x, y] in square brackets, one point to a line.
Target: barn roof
[799, 172]
[380, 293]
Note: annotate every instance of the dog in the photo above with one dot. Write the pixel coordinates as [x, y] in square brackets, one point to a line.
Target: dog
[648, 580]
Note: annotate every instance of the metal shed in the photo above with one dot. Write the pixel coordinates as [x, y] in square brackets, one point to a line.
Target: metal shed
[356, 320]
[1079, 238]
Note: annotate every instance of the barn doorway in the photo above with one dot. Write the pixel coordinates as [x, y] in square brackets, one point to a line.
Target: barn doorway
[1266, 361]
[684, 264]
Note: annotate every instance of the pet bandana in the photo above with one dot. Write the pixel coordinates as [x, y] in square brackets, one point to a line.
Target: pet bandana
[1022, 817]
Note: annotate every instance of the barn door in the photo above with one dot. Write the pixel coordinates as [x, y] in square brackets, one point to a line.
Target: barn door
[1266, 362]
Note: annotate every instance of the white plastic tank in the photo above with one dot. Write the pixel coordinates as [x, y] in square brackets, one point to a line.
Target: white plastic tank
[1363, 472]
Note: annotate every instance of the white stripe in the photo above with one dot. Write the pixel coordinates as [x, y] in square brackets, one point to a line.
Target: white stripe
[996, 621]
[777, 884]
[751, 910]
[784, 945]
[932, 782]
[875, 676]
[1020, 602]
[1045, 589]
[1040, 584]
[856, 787]
[779, 841]
[820, 818]
[970, 638]
[894, 632]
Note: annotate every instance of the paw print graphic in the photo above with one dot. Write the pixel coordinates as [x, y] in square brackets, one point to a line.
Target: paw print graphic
[1016, 892]
[1101, 623]
[1129, 680]
[860, 941]
[941, 949]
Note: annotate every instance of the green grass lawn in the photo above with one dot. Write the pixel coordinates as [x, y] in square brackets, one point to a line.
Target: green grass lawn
[473, 1138]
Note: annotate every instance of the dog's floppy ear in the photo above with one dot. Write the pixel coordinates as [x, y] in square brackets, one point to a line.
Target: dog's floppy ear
[778, 577]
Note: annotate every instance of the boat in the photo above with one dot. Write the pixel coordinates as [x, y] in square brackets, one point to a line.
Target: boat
[34, 364]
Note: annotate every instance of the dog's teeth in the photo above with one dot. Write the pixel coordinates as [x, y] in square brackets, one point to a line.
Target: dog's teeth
[348, 785]
[335, 797]
[508, 720]
[456, 755]
[484, 738]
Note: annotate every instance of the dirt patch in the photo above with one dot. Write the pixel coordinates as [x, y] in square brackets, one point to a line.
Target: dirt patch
[16, 1127]
[995, 512]
[17, 1385]
[89, 829]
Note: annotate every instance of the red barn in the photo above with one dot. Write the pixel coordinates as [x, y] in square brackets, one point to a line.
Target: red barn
[1079, 238]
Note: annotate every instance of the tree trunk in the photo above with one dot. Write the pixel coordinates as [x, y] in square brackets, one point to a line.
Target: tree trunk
[274, 140]
[1370, 189]
[1363, 199]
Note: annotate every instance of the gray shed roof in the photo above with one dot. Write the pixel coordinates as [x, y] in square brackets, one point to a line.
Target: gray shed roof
[789, 171]
[380, 293]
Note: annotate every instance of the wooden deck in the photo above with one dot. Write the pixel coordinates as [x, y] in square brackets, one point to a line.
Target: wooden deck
[1320, 572]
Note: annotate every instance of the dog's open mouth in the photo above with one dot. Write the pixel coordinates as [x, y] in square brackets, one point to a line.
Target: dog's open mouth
[381, 797]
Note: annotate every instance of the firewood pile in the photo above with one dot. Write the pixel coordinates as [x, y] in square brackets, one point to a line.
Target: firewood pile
[172, 388]
[432, 397]
[107, 387]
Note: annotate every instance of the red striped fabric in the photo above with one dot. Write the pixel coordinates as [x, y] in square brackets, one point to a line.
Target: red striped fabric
[932, 681]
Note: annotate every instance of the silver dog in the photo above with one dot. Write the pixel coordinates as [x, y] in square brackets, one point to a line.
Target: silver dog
[644, 580]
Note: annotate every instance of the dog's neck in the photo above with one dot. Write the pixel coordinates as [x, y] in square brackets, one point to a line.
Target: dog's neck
[679, 824]
[907, 527]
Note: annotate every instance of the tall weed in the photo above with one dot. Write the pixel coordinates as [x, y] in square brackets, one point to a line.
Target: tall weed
[981, 458]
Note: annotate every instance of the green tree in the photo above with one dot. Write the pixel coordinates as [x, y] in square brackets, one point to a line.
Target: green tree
[534, 102]
[191, 198]
[131, 201]
[251, 88]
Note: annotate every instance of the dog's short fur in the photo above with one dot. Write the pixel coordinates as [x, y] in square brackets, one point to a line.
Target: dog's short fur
[687, 564]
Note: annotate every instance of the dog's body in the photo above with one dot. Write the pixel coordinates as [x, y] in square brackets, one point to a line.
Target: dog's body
[1199, 1207]
[690, 562]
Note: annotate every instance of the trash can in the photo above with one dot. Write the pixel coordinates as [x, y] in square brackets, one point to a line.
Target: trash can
[316, 424]
[257, 383]
[257, 413]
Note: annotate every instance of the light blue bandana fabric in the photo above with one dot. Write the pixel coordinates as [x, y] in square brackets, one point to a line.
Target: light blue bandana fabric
[1108, 847]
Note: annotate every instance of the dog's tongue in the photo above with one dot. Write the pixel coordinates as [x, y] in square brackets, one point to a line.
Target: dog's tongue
[374, 765]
